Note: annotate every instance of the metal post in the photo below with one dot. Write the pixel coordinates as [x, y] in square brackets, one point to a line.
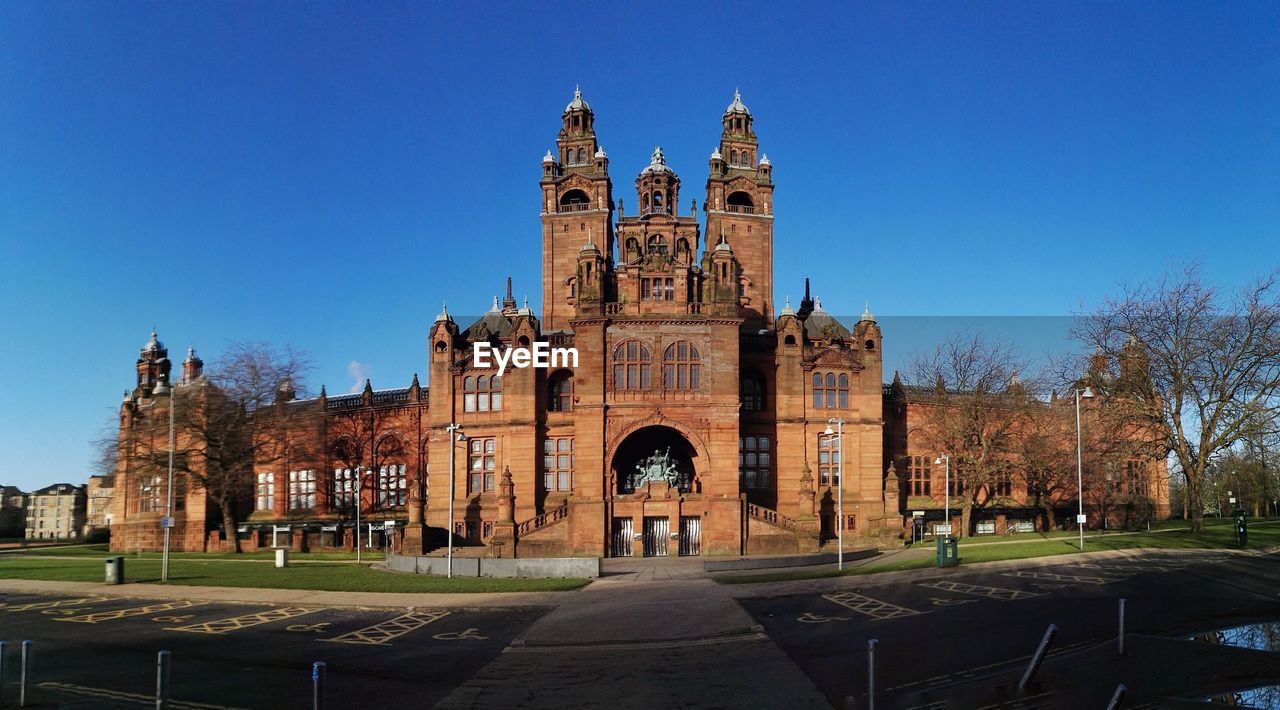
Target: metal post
[3, 648]
[317, 685]
[168, 508]
[1117, 697]
[359, 495]
[452, 473]
[1121, 637]
[871, 673]
[162, 680]
[947, 492]
[1038, 658]
[24, 671]
[1079, 474]
[839, 492]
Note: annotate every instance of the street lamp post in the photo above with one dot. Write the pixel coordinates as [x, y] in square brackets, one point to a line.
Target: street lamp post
[167, 522]
[455, 436]
[839, 434]
[1086, 393]
[946, 488]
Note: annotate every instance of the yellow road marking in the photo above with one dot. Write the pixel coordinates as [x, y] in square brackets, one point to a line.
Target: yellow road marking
[381, 633]
[53, 604]
[126, 613]
[103, 693]
[235, 623]
[867, 606]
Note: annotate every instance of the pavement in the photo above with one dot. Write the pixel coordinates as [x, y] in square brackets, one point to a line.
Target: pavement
[662, 632]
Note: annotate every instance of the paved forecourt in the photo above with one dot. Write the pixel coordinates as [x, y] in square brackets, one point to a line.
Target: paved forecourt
[102, 650]
[965, 635]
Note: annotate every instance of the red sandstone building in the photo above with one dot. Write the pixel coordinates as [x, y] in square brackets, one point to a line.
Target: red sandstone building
[692, 424]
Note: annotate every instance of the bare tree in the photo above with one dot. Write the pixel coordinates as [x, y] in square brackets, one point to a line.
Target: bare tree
[230, 421]
[975, 407]
[1045, 451]
[1190, 364]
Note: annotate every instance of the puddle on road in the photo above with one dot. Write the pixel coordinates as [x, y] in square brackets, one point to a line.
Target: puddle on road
[1263, 636]
[1263, 698]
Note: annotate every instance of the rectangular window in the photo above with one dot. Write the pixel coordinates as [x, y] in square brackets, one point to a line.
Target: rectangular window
[302, 490]
[148, 495]
[266, 492]
[482, 463]
[920, 472]
[557, 464]
[828, 460]
[755, 462]
[392, 489]
[344, 488]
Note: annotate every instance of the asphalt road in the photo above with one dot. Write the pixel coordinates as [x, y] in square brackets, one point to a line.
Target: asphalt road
[98, 652]
[963, 640]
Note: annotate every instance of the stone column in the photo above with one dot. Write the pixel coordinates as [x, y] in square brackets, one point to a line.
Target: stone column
[808, 527]
[503, 543]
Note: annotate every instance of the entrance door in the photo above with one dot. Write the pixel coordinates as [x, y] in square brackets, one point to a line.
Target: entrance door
[656, 535]
[690, 535]
[621, 537]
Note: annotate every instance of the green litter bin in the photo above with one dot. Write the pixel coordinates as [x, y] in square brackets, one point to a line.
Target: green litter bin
[115, 570]
[947, 552]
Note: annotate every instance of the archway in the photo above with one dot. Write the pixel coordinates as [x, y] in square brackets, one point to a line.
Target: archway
[647, 452]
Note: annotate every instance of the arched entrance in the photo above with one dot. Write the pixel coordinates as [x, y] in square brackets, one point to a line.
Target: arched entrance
[646, 453]
[654, 470]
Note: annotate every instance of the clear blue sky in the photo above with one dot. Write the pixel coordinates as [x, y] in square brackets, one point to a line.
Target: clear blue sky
[325, 174]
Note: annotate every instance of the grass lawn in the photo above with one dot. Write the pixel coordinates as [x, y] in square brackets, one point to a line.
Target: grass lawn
[1218, 534]
[331, 576]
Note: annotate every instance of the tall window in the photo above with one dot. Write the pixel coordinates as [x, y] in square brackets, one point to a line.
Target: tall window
[345, 486]
[1002, 482]
[392, 489]
[755, 461]
[557, 464]
[631, 366]
[830, 391]
[483, 462]
[681, 366]
[266, 492]
[302, 490]
[828, 460]
[148, 495]
[482, 393]
[752, 391]
[560, 393]
[920, 475]
[1135, 478]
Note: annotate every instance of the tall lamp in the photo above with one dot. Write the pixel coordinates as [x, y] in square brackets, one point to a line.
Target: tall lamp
[455, 436]
[839, 434]
[1086, 393]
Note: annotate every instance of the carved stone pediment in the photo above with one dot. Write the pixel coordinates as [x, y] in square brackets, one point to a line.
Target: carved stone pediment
[831, 357]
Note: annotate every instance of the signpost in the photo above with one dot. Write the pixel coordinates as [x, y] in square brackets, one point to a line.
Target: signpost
[166, 522]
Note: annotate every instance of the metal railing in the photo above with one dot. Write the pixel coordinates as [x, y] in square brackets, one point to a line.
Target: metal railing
[740, 209]
[575, 207]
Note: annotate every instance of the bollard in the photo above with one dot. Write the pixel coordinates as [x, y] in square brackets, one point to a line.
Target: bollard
[1117, 697]
[317, 685]
[871, 673]
[1038, 658]
[1120, 639]
[162, 680]
[24, 670]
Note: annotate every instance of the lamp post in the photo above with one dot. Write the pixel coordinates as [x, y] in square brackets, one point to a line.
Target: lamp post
[167, 522]
[358, 500]
[1086, 393]
[839, 434]
[946, 487]
[455, 436]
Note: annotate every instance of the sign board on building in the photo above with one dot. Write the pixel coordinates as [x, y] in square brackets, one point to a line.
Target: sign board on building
[917, 513]
[166, 522]
[1082, 519]
[942, 530]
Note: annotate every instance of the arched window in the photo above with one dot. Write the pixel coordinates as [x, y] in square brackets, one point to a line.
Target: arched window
[574, 197]
[657, 201]
[582, 156]
[752, 392]
[830, 391]
[682, 247]
[681, 366]
[740, 201]
[560, 392]
[631, 366]
[482, 394]
[657, 244]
